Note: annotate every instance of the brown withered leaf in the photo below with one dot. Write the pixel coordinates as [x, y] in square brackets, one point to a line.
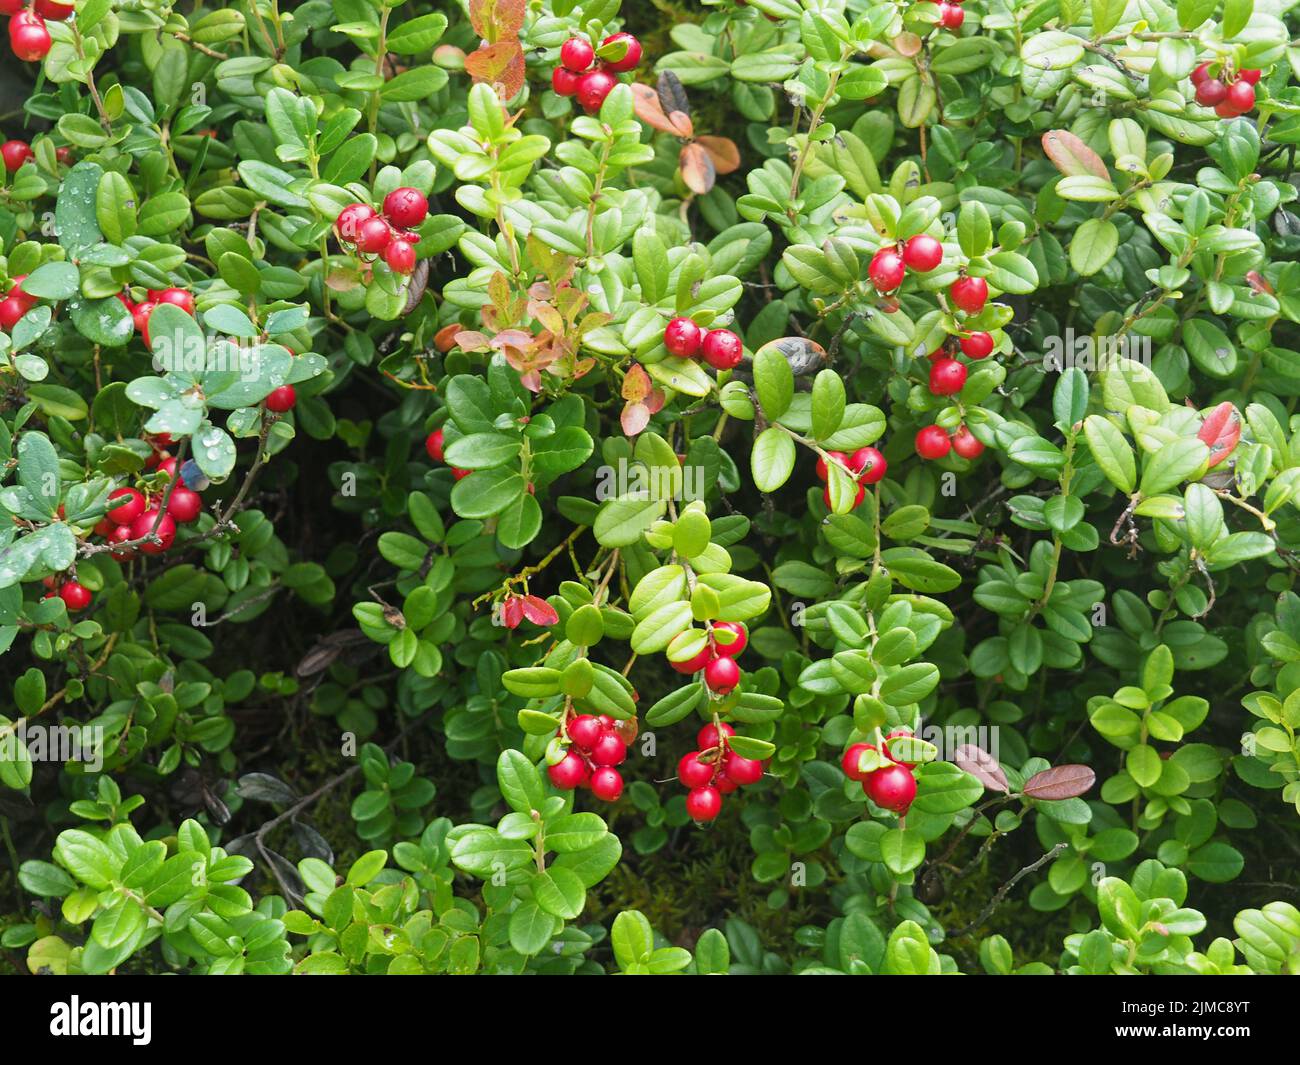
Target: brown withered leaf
[723, 152]
[697, 168]
[650, 110]
[1060, 782]
[1071, 156]
[803, 355]
[982, 766]
[500, 65]
[672, 94]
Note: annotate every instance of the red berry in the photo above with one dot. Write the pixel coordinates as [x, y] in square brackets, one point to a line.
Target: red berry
[607, 784]
[593, 89]
[1201, 74]
[704, 803]
[683, 338]
[970, 294]
[29, 38]
[75, 595]
[167, 465]
[348, 223]
[1211, 93]
[932, 443]
[965, 443]
[12, 308]
[839, 456]
[692, 772]
[400, 257]
[977, 345]
[576, 54]
[15, 153]
[922, 253]
[708, 737]
[947, 377]
[742, 771]
[184, 505]
[433, 445]
[16, 290]
[281, 399]
[892, 788]
[694, 665]
[609, 750]
[1250, 76]
[951, 16]
[140, 317]
[63, 155]
[11, 7]
[1241, 94]
[103, 527]
[721, 675]
[738, 645]
[869, 464]
[120, 534]
[564, 81]
[849, 763]
[631, 58]
[143, 525]
[1226, 110]
[373, 235]
[178, 297]
[131, 506]
[568, 772]
[406, 207]
[50, 10]
[585, 730]
[722, 349]
[887, 270]
[459, 474]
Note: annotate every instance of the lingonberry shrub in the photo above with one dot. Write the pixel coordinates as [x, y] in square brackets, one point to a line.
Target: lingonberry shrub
[873, 475]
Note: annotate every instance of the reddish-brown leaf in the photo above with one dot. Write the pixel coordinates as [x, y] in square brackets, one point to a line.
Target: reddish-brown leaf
[500, 65]
[494, 19]
[512, 612]
[634, 419]
[649, 109]
[1220, 431]
[1060, 782]
[1071, 156]
[697, 169]
[723, 152]
[982, 766]
[539, 611]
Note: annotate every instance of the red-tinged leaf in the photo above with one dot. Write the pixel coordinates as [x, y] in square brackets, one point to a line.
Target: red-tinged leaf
[723, 152]
[1071, 156]
[539, 611]
[649, 109]
[636, 383]
[1060, 782]
[697, 169]
[500, 65]
[512, 612]
[634, 419]
[908, 44]
[1220, 431]
[1258, 283]
[982, 766]
[470, 340]
[495, 19]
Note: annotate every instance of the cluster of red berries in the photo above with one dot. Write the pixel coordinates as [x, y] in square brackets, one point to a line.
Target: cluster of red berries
[866, 464]
[15, 304]
[951, 16]
[140, 312]
[714, 771]
[1229, 98]
[947, 375]
[75, 595]
[595, 748]
[132, 514]
[720, 348]
[932, 442]
[28, 36]
[575, 76]
[433, 444]
[387, 233]
[892, 786]
[890, 264]
[718, 659]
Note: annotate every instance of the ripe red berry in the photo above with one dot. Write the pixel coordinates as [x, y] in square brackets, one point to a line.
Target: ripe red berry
[892, 788]
[166, 531]
[12, 308]
[947, 377]
[348, 224]
[721, 675]
[922, 253]
[576, 54]
[722, 349]
[140, 317]
[839, 456]
[564, 81]
[12, 7]
[970, 294]
[1241, 94]
[29, 38]
[977, 345]
[585, 730]
[406, 207]
[178, 297]
[607, 784]
[704, 803]
[932, 443]
[16, 290]
[281, 399]
[568, 772]
[869, 464]
[400, 257]
[131, 506]
[373, 235]
[50, 10]
[692, 772]
[75, 595]
[742, 771]
[887, 270]
[951, 16]
[433, 445]
[853, 756]
[609, 750]
[965, 443]
[683, 338]
[1250, 76]
[738, 645]
[63, 155]
[694, 665]
[1226, 110]
[593, 89]
[631, 58]
[167, 465]
[184, 505]
[120, 534]
[709, 736]
[1211, 93]
[1201, 74]
[15, 153]
[459, 474]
